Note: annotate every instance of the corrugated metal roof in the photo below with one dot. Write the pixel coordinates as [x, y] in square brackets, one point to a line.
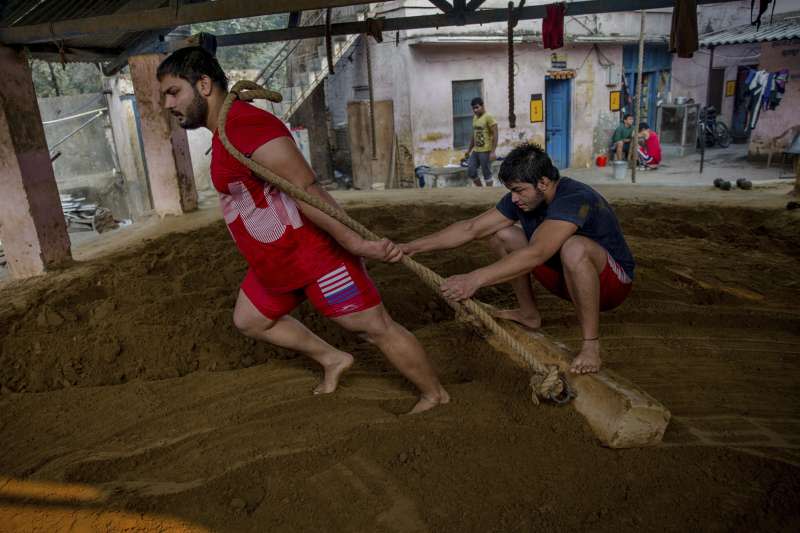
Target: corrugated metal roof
[25, 12]
[30, 12]
[777, 31]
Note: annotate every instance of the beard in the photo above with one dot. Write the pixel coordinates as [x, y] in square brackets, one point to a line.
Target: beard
[196, 114]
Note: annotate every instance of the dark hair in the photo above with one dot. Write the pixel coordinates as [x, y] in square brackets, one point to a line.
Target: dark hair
[627, 115]
[644, 126]
[191, 64]
[476, 101]
[527, 163]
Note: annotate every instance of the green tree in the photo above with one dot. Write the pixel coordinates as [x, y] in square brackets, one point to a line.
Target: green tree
[53, 79]
[251, 56]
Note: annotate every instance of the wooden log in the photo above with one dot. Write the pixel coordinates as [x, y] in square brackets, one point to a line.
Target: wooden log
[620, 414]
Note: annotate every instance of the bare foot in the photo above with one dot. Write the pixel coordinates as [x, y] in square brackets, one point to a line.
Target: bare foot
[427, 403]
[338, 365]
[529, 320]
[588, 359]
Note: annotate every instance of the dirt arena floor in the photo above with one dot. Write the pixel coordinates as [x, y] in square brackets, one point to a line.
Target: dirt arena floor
[129, 402]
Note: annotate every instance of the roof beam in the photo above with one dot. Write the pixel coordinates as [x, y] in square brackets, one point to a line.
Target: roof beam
[443, 5]
[294, 19]
[472, 5]
[51, 52]
[159, 18]
[483, 16]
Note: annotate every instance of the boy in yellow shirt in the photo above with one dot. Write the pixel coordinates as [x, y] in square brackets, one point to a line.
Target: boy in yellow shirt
[482, 145]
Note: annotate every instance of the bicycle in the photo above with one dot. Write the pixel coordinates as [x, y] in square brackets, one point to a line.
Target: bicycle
[714, 131]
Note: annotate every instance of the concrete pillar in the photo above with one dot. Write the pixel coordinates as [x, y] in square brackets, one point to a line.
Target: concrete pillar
[32, 225]
[126, 147]
[166, 147]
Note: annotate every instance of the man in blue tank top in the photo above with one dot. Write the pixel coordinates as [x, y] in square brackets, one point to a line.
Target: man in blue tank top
[560, 231]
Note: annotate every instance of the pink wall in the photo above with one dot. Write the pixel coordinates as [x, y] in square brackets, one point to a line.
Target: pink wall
[32, 225]
[690, 76]
[776, 56]
[434, 67]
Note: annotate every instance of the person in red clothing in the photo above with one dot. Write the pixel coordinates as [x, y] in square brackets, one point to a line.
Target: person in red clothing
[293, 250]
[649, 148]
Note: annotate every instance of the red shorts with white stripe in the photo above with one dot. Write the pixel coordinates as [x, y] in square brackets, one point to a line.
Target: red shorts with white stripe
[615, 285]
[344, 289]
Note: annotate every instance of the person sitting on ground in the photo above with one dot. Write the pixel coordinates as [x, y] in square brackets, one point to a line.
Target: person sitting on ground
[621, 140]
[650, 148]
[482, 144]
[293, 250]
[569, 239]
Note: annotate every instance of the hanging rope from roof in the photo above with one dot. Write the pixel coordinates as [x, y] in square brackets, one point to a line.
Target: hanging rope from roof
[512, 118]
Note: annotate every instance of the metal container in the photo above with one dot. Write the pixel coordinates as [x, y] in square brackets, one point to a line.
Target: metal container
[620, 169]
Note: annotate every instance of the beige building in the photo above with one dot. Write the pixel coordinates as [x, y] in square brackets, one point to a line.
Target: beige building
[429, 76]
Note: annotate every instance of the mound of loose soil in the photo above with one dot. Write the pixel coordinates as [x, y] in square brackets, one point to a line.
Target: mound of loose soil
[147, 393]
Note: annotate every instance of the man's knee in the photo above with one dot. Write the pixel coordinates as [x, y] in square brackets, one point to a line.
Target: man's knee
[249, 323]
[574, 252]
[506, 240]
[379, 329]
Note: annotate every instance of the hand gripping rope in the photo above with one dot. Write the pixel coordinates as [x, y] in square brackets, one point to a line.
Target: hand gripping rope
[546, 383]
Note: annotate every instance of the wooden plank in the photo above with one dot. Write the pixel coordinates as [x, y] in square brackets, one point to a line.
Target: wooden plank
[366, 170]
[620, 414]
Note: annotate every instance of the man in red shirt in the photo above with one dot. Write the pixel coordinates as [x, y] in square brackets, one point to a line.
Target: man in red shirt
[650, 149]
[294, 251]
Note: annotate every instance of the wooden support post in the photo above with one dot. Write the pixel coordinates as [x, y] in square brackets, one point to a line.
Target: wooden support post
[136, 187]
[32, 226]
[633, 151]
[166, 145]
[620, 414]
[702, 128]
[373, 136]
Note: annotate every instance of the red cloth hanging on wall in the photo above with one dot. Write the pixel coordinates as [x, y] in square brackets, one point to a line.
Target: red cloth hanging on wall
[553, 27]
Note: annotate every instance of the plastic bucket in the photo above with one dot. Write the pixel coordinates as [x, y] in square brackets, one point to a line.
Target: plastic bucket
[601, 160]
[620, 169]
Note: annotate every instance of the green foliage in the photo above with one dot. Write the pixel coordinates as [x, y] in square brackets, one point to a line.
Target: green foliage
[79, 78]
[73, 78]
[251, 56]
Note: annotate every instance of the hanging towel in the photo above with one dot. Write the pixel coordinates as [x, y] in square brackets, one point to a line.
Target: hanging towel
[553, 27]
[683, 37]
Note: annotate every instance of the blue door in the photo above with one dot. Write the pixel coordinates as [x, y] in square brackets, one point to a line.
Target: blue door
[557, 120]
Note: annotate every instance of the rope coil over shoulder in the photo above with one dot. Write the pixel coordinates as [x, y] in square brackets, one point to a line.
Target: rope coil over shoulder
[547, 383]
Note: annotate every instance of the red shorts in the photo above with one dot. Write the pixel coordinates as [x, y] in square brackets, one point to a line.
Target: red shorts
[615, 285]
[344, 289]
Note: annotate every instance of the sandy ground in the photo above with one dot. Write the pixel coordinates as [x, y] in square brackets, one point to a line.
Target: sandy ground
[129, 402]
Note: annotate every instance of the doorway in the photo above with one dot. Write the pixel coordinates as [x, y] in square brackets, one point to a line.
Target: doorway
[558, 105]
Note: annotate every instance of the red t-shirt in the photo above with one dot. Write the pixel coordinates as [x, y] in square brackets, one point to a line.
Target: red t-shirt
[653, 148]
[284, 249]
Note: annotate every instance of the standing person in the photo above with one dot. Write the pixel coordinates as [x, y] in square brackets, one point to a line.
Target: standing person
[294, 251]
[650, 151]
[621, 140]
[482, 144]
[569, 240]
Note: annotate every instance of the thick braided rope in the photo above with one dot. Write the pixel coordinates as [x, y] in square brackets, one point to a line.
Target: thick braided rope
[547, 382]
[512, 118]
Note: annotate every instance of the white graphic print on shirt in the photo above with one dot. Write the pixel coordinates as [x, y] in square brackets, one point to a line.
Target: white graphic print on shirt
[264, 224]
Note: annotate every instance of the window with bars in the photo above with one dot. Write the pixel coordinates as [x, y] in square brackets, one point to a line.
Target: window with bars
[463, 93]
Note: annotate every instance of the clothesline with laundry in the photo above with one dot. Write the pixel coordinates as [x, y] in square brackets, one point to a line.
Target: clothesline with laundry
[766, 90]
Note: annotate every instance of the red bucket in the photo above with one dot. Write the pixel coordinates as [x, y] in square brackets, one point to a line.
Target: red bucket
[601, 160]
